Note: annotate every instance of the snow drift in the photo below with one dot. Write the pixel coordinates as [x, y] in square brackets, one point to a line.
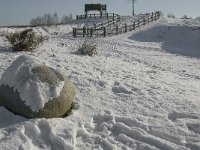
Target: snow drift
[180, 38]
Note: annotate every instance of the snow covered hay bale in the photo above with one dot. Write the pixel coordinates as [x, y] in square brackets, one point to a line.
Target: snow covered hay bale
[34, 90]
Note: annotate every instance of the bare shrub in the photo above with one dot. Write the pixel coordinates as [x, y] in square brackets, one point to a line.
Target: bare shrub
[197, 18]
[26, 40]
[186, 17]
[170, 15]
[88, 49]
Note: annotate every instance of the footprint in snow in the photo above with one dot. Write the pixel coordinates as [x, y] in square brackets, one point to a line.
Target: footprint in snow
[42, 136]
[120, 132]
[177, 115]
[193, 127]
[119, 89]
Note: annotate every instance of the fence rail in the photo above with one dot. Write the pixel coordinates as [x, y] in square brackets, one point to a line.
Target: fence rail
[96, 29]
[107, 15]
[101, 30]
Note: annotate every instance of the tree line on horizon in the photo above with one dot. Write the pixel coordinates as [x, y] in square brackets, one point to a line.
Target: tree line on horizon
[51, 19]
[171, 15]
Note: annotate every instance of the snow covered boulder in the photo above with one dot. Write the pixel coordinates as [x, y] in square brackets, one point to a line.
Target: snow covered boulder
[34, 90]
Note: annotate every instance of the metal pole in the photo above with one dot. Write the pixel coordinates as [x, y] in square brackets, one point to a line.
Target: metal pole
[133, 2]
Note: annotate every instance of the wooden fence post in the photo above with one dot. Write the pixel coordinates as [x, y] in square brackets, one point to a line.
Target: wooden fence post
[104, 31]
[138, 23]
[87, 31]
[107, 15]
[84, 31]
[95, 26]
[113, 17]
[117, 29]
[125, 26]
[91, 32]
[134, 26]
[74, 32]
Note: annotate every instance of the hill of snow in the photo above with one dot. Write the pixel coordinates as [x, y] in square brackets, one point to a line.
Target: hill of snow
[142, 91]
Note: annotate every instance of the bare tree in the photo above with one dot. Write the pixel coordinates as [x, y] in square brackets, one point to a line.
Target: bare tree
[55, 19]
[185, 17]
[133, 6]
[65, 19]
[71, 16]
[197, 18]
[46, 19]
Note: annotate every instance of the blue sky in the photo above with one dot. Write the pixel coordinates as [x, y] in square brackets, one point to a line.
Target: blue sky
[15, 12]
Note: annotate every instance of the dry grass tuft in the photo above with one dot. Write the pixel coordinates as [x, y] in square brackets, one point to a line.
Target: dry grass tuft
[88, 49]
[26, 40]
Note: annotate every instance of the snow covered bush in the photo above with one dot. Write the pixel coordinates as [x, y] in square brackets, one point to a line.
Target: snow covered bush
[88, 49]
[26, 40]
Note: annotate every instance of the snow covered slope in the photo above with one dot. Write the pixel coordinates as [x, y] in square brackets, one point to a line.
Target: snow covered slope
[142, 91]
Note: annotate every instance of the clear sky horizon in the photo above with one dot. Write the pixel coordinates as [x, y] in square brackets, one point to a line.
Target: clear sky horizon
[19, 12]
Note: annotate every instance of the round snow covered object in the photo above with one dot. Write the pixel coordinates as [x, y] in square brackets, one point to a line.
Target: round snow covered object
[34, 90]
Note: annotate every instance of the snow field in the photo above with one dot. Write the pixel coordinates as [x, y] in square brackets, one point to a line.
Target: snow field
[135, 94]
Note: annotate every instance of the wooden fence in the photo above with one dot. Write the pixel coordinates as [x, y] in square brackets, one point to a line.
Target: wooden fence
[101, 30]
[107, 15]
[96, 28]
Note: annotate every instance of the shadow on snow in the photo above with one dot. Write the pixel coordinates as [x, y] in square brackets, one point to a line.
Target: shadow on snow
[180, 40]
[7, 118]
[3, 49]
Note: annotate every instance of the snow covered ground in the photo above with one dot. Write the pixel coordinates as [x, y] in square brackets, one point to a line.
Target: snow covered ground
[142, 91]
